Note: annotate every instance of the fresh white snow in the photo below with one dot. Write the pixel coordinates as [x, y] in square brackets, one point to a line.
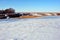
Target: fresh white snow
[30, 29]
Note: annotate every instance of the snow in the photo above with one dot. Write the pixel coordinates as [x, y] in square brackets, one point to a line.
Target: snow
[30, 29]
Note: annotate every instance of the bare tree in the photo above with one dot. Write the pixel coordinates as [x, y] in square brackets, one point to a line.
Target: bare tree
[0, 11]
[10, 10]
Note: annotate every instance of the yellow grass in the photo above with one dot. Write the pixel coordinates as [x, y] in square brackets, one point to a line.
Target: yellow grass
[28, 16]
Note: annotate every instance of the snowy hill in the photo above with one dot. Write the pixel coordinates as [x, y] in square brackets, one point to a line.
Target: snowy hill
[30, 29]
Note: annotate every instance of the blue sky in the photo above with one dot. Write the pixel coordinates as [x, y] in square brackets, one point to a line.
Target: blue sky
[31, 5]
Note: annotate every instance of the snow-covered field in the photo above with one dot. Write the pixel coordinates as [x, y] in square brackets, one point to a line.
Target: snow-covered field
[30, 29]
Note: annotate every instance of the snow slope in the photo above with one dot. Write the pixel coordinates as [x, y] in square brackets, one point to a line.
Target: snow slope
[30, 29]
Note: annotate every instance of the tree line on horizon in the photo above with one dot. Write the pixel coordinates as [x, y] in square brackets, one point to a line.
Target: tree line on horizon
[9, 10]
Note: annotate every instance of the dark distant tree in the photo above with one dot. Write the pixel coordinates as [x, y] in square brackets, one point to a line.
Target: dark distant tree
[10, 10]
[1, 11]
[58, 14]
